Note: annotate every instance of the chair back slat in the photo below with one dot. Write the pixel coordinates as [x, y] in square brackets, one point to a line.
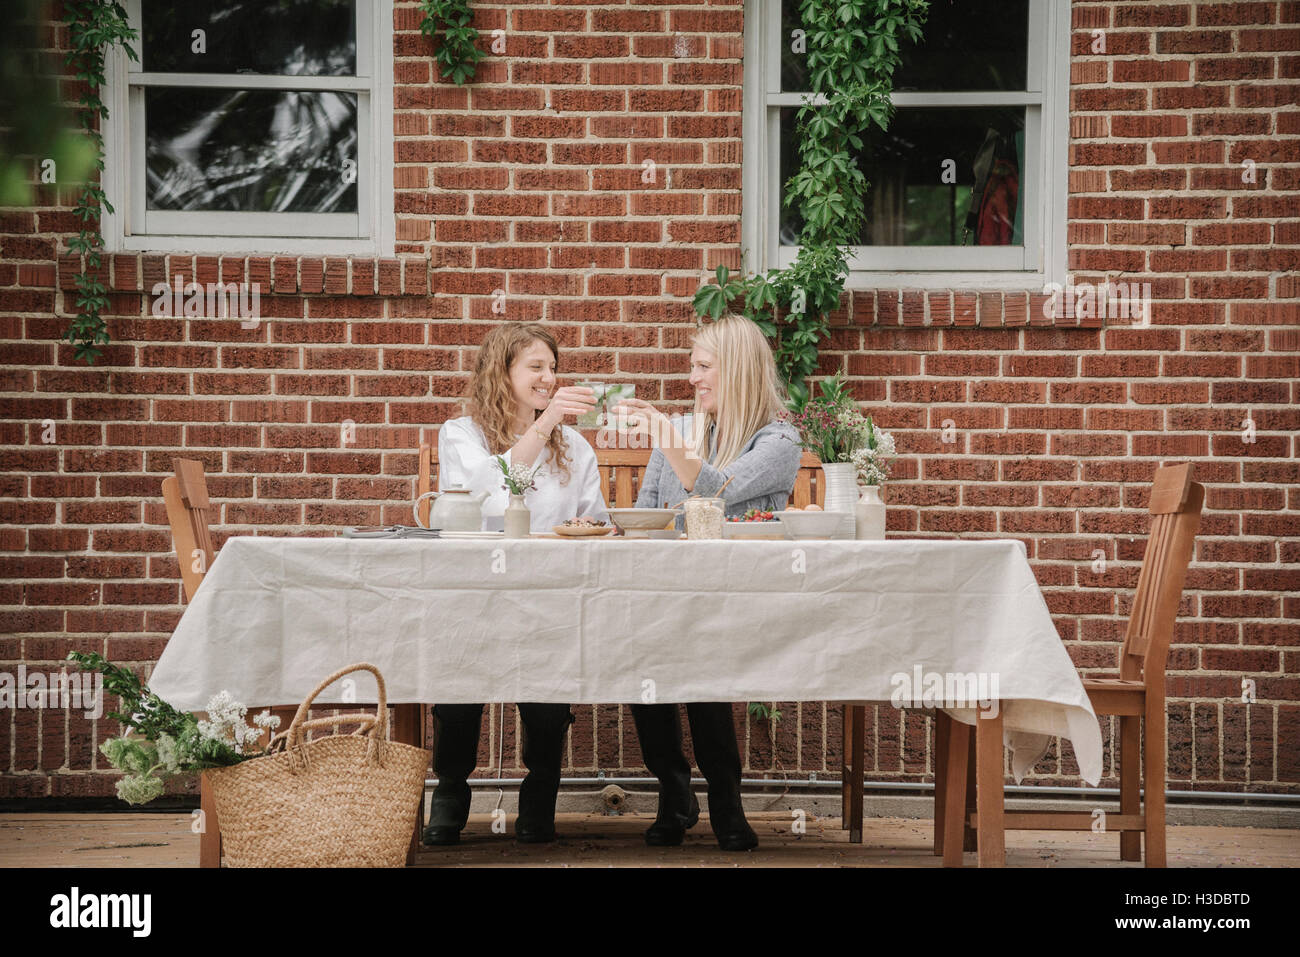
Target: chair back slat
[186, 498]
[1175, 506]
[802, 495]
[427, 464]
[1169, 489]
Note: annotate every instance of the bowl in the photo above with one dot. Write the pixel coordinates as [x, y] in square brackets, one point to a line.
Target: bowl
[805, 525]
[643, 519]
[775, 529]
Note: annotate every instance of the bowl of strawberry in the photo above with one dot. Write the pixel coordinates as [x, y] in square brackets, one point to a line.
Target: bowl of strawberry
[754, 524]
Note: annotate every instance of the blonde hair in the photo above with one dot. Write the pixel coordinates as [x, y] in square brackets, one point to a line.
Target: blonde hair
[749, 394]
[492, 402]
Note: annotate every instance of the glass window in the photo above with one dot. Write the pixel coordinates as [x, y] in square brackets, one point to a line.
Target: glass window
[252, 119]
[963, 169]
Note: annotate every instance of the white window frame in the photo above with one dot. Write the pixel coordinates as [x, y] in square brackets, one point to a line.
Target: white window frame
[371, 231]
[1044, 180]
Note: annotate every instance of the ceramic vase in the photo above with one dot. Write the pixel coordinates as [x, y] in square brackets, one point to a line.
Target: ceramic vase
[869, 515]
[841, 483]
[518, 519]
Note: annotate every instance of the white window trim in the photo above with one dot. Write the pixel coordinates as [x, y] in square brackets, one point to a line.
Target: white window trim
[762, 161]
[374, 46]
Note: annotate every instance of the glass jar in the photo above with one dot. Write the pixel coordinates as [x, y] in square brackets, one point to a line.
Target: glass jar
[704, 517]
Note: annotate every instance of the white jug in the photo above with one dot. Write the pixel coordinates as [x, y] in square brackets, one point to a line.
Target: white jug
[457, 510]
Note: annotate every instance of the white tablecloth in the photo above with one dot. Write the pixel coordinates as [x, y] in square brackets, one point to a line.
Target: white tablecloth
[619, 620]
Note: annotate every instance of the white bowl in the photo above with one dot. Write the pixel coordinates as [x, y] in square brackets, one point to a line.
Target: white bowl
[804, 525]
[643, 519]
[754, 530]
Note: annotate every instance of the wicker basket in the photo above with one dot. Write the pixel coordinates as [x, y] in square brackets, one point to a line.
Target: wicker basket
[340, 801]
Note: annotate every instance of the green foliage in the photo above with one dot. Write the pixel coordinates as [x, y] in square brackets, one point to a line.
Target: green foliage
[853, 50]
[142, 710]
[457, 54]
[830, 425]
[37, 126]
[168, 742]
[764, 713]
[94, 27]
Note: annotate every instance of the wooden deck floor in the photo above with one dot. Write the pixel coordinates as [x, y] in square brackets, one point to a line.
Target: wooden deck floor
[596, 840]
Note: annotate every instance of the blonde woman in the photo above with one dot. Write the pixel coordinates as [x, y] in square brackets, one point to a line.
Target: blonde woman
[517, 412]
[733, 434]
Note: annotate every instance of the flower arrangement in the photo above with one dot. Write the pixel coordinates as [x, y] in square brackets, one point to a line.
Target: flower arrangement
[170, 742]
[874, 459]
[518, 478]
[830, 425]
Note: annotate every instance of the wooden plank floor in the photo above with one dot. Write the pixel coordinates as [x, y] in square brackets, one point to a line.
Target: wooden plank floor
[596, 840]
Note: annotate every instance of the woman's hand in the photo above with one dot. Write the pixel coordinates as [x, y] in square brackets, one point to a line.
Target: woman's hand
[569, 400]
[638, 417]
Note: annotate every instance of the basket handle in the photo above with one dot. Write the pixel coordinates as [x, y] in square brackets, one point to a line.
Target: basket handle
[366, 721]
[377, 730]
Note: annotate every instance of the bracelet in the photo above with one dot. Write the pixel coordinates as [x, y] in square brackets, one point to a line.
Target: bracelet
[541, 435]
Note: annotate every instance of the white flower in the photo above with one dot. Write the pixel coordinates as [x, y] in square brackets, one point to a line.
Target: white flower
[873, 464]
[519, 478]
[224, 709]
[226, 723]
[167, 753]
[267, 720]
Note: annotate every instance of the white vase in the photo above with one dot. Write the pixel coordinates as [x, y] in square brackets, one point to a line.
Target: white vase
[519, 520]
[841, 482]
[870, 515]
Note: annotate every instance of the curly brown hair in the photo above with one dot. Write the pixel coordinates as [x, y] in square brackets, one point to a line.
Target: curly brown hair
[492, 403]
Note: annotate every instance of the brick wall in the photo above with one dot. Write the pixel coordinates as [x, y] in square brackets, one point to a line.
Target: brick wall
[528, 181]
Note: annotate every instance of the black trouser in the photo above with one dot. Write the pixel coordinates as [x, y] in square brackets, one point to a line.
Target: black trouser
[713, 732]
[455, 753]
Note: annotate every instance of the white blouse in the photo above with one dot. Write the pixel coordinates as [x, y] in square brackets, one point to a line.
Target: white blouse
[464, 462]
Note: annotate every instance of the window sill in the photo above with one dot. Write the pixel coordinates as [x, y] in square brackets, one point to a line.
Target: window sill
[982, 281]
[246, 245]
[958, 305]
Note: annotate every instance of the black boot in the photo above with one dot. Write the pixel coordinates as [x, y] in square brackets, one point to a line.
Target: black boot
[714, 734]
[455, 754]
[545, 726]
[659, 730]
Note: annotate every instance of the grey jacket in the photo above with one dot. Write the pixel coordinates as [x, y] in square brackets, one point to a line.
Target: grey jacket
[762, 477]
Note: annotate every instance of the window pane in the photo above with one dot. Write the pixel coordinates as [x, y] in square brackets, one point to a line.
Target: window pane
[909, 203]
[289, 37]
[965, 45]
[251, 150]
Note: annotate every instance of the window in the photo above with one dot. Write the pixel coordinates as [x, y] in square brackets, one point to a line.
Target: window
[252, 127]
[980, 103]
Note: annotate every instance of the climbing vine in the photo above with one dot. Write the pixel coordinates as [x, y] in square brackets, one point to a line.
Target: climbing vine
[854, 46]
[94, 27]
[457, 55]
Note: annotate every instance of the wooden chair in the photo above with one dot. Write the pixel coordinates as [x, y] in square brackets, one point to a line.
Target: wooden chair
[186, 496]
[1136, 696]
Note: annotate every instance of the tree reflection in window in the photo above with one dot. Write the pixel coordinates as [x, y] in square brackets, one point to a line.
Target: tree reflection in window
[251, 150]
